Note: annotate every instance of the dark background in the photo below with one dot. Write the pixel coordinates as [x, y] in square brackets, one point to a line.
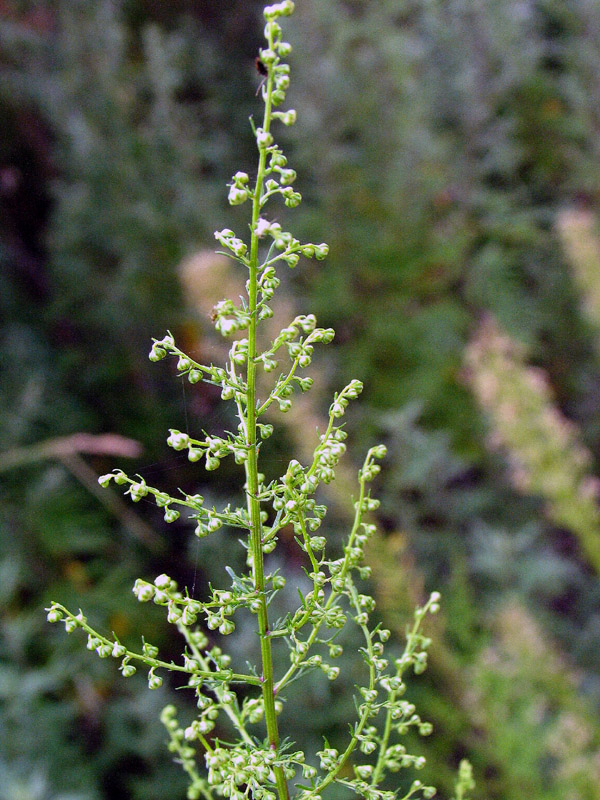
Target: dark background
[448, 151]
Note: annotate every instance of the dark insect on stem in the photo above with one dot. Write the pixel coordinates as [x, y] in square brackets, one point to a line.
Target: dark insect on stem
[262, 70]
[260, 67]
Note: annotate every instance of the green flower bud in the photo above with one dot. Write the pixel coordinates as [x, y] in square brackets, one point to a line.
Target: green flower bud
[161, 598]
[178, 440]
[150, 650]
[137, 491]
[287, 176]
[127, 670]
[263, 138]
[157, 353]
[154, 681]
[267, 56]
[214, 524]
[143, 590]
[237, 196]
[54, 615]
[162, 581]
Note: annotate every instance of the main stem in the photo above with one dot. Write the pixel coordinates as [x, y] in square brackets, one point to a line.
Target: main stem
[256, 543]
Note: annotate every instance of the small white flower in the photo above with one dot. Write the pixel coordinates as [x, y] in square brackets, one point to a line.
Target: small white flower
[262, 227]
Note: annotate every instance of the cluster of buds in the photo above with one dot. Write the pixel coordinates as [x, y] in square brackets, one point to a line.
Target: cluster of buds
[229, 318]
[238, 189]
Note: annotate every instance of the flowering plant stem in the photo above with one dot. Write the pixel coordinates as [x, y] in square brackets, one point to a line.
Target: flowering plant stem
[251, 464]
[249, 766]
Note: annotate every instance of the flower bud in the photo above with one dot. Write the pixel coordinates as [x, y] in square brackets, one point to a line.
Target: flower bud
[137, 491]
[293, 199]
[226, 627]
[143, 590]
[263, 138]
[54, 615]
[154, 681]
[162, 581]
[267, 56]
[178, 440]
[214, 524]
[150, 650]
[262, 227]
[289, 117]
[161, 598]
[287, 176]
[380, 451]
[237, 196]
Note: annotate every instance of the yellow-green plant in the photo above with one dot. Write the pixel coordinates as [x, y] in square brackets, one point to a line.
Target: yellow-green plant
[526, 697]
[579, 235]
[544, 449]
[238, 730]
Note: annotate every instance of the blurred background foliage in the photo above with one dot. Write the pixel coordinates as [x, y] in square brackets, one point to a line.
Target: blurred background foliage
[448, 150]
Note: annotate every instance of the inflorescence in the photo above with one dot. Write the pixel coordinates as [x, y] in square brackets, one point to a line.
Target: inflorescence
[248, 764]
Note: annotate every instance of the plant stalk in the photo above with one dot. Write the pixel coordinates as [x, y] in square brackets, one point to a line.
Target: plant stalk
[256, 542]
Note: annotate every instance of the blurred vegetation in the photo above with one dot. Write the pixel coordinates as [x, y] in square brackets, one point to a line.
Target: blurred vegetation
[449, 153]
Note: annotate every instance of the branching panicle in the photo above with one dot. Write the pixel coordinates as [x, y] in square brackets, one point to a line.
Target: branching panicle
[251, 764]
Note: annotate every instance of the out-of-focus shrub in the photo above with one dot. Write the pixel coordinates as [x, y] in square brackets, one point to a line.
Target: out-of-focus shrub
[546, 455]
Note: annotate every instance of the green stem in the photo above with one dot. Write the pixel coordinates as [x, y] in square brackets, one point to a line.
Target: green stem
[224, 675]
[251, 463]
[229, 709]
[366, 713]
[334, 596]
[409, 649]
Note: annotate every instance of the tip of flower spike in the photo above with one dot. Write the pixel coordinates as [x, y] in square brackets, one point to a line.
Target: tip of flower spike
[283, 9]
